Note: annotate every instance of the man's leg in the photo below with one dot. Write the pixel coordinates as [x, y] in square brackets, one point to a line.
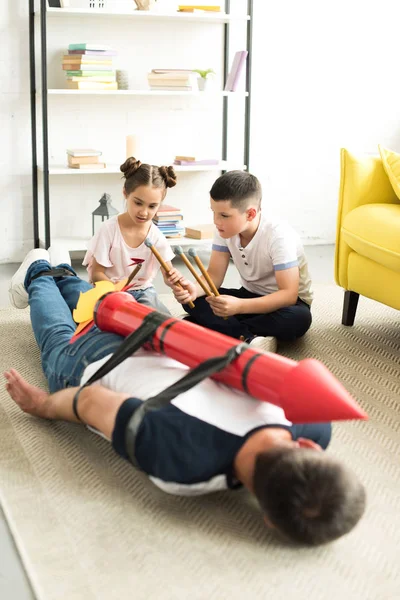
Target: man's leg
[97, 406]
[149, 297]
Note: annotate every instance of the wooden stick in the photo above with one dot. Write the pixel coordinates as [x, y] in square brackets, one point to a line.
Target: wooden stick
[160, 259]
[133, 274]
[178, 250]
[193, 253]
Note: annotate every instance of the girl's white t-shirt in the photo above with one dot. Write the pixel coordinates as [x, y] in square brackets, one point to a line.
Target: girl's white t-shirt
[110, 250]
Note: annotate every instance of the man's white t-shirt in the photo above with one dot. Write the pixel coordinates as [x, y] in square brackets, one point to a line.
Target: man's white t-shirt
[274, 247]
[196, 433]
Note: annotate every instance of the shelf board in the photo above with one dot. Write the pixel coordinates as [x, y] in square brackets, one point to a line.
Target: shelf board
[147, 16]
[66, 92]
[75, 244]
[114, 169]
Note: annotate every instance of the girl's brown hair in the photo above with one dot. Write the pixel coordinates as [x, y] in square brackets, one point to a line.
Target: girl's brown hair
[137, 173]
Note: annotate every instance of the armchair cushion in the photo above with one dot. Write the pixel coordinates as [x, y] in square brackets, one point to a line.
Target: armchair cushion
[373, 231]
[391, 164]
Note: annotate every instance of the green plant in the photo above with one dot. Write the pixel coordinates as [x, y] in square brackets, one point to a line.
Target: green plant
[204, 74]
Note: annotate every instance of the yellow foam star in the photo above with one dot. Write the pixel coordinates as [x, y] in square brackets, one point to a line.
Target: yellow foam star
[87, 301]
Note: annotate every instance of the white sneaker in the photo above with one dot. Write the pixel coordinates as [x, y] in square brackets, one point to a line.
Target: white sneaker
[59, 255]
[17, 292]
[264, 344]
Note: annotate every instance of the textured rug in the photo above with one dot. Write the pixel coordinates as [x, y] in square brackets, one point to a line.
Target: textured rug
[88, 526]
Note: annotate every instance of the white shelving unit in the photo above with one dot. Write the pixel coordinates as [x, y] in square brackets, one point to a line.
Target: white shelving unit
[80, 244]
[142, 15]
[63, 20]
[114, 169]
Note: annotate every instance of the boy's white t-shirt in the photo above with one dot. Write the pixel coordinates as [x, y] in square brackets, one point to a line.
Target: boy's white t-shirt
[274, 247]
[109, 249]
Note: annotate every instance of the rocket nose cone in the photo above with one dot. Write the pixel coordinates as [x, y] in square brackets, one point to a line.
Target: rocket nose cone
[312, 394]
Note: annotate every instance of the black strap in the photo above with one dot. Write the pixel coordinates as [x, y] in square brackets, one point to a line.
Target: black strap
[129, 346]
[195, 376]
[59, 272]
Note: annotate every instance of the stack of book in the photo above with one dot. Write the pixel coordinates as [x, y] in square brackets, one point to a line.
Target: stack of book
[169, 221]
[191, 161]
[177, 80]
[85, 159]
[90, 67]
[196, 7]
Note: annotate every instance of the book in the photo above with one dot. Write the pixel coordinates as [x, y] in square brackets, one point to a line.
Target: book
[86, 60]
[91, 85]
[236, 69]
[191, 163]
[167, 218]
[90, 73]
[171, 76]
[81, 67]
[83, 152]
[82, 160]
[167, 210]
[200, 232]
[92, 53]
[173, 88]
[88, 166]
[98, 79]
[162, 71]
[95, 47]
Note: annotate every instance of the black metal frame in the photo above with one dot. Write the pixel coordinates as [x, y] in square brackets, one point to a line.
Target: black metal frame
[44, 101]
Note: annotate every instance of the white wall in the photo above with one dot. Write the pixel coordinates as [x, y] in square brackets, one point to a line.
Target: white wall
[323, 77]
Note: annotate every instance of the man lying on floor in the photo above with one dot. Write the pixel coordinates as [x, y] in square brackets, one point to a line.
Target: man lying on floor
[209, 438]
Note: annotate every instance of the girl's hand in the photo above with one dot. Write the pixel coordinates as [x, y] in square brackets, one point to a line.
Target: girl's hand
[224, 306]
[186, 293]
[172, 277]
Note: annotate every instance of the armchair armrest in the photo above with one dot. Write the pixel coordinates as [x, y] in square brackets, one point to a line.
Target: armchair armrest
[363, 180]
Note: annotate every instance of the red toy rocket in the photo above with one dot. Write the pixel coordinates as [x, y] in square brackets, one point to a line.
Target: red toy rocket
[306, 390]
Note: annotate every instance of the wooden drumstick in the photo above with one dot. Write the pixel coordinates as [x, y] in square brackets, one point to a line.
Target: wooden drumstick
[160, 259]
[179, 252]
[192, 252]
[133, 274]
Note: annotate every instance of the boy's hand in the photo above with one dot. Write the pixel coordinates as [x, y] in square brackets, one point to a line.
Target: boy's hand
[186, 293]
[225, 306]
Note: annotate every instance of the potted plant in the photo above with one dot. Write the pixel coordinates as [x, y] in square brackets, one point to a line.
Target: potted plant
[206, 78]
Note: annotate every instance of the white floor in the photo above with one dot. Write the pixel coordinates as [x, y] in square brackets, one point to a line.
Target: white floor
[13, 582]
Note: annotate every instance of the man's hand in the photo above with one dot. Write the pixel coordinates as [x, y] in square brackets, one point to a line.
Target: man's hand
[186, 293]
[225, 306]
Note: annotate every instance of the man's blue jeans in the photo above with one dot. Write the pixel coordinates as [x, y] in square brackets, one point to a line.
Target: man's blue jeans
[51, 301]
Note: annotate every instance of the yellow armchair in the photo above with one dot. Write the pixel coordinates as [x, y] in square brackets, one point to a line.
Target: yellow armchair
[367, 253]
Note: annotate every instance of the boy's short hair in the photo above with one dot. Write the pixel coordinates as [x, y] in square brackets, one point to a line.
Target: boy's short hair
[309, 497]
[240, 187]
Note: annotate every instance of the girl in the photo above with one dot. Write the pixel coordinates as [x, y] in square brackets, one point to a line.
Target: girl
[119, 243]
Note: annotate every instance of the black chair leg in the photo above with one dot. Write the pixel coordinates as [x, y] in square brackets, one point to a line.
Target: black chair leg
[349, 308]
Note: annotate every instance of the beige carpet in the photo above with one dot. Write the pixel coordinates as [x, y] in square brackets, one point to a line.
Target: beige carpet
[89, 527]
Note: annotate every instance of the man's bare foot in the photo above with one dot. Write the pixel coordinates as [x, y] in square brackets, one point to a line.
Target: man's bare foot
[29, 398]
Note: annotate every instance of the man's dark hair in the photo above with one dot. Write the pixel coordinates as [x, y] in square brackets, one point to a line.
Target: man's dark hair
[241, 188]
[308, 496]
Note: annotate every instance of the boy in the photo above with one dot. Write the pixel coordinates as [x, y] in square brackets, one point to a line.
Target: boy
[275, 298]
[207, 439]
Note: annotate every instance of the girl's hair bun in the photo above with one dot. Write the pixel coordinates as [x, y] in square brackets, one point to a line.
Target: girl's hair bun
[169, 176]
[130, 166]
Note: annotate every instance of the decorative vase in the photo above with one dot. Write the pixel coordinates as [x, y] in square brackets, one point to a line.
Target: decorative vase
[145, 4]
